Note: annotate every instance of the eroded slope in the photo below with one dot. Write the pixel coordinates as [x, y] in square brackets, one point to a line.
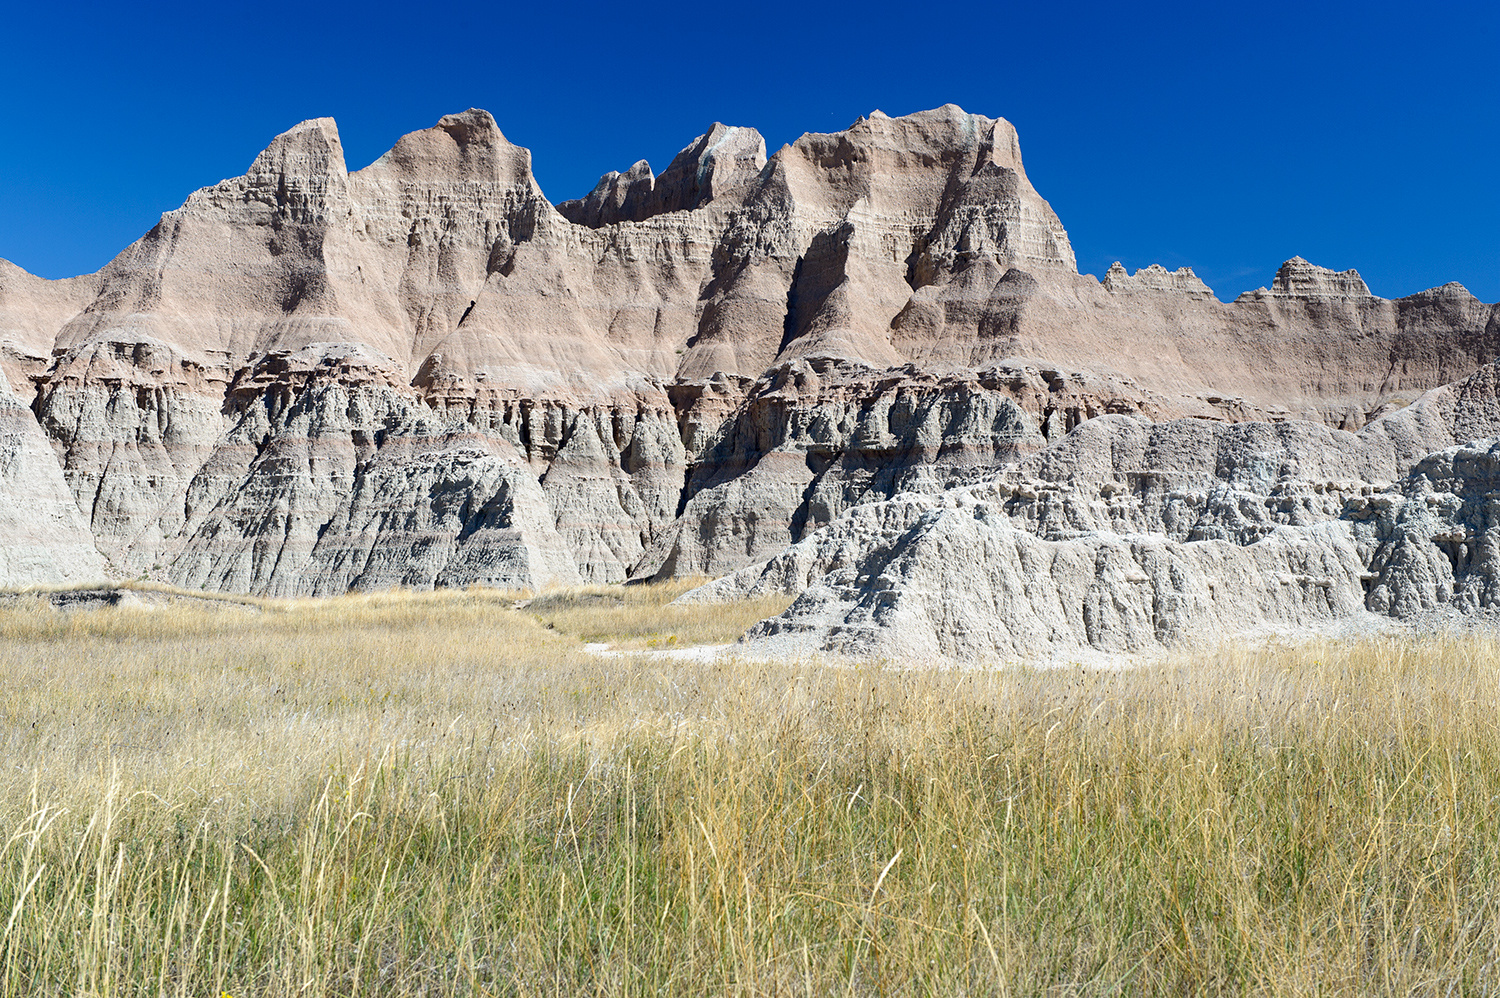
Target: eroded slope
[422, 373]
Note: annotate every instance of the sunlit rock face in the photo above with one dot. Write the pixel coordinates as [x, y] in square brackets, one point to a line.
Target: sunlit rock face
[422, 373]
[1156, 279]
[1135, 537]
[44, 536]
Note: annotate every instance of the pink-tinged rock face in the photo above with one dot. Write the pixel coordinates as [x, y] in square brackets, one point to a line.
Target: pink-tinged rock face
[423, 373]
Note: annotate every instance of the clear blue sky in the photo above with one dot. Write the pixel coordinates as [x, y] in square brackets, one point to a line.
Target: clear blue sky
[1223, 136]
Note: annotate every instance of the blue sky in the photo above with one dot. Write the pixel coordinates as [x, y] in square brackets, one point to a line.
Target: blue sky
[1226, 137]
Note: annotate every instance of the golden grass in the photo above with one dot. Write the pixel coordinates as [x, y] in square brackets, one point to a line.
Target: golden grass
[642, 617]
[439, 795]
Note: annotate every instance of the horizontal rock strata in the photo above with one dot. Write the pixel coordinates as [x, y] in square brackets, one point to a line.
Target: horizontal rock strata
[421, 373]
[1130, 536]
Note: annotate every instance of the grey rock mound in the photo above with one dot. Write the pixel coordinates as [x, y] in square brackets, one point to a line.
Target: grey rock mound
[1128, 536]
[44, 540]
[348, 485]
[922, 579]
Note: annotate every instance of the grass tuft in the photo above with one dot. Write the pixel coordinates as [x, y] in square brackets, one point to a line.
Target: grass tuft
[438, 794]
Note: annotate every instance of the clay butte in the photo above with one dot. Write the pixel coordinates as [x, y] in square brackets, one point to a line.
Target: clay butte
[423, 373]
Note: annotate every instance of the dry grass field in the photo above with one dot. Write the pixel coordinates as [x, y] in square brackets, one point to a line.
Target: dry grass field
[445, 794]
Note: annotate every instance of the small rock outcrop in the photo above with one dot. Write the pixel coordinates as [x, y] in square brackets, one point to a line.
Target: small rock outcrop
[1299, 279]
[726, 158]
[1155, 279]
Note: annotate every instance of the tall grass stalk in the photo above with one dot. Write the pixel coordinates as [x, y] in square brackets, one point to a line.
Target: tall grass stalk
[441, 796]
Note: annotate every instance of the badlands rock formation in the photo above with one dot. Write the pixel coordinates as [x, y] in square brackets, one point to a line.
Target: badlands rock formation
[1128, 536]
[44, 539]
[422, 373]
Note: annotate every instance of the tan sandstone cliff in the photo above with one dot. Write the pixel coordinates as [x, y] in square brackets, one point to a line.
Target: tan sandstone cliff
[422, 373]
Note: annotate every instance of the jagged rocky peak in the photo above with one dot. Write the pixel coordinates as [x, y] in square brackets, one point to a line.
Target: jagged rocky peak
[1156, 279]
[464, 146]
[946, 137]
[617, 197]
[1452, 293]
[724, 158]
[963, 172]
[1299, 279]
[308, 149]
[298, 175]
